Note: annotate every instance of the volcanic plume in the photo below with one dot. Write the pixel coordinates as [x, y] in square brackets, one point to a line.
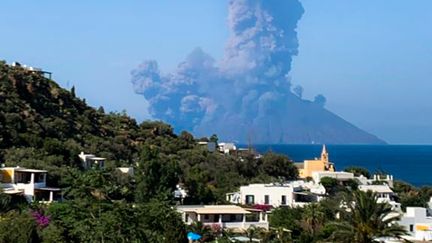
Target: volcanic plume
[245, 96]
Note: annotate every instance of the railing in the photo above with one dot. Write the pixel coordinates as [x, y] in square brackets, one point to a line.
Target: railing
[239, 225]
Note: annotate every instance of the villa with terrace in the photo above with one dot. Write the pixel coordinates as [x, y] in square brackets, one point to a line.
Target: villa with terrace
[224, 216]
[30, 183]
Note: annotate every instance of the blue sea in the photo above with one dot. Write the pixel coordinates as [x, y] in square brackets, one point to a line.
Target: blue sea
[410, 163]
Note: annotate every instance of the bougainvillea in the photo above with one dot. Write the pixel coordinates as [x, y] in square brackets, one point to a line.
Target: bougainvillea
[263, 207]
[41, 219]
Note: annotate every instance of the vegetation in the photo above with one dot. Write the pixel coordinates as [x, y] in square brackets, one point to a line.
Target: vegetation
[364, 220]
[44, 126]
[358, 171]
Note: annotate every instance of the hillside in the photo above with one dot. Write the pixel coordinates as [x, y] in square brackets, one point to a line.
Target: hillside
[37, 113]
[44, 126]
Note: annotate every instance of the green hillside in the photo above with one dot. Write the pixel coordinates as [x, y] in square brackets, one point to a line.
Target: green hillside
[43, 126]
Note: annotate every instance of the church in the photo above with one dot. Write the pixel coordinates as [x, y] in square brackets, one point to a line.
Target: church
[318, 164]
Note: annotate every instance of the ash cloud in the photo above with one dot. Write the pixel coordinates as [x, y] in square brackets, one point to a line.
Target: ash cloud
[246, 94]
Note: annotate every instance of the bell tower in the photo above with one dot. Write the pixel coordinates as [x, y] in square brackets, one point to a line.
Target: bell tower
[324, 154]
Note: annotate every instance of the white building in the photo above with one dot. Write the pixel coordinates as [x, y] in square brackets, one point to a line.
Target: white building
[226, 147]
[32, 69]
[28, 182]
[180, 193]
[225, 216]
[418, 223]
[91, 161]
[338, 175]
[293, 194]
[385, 194]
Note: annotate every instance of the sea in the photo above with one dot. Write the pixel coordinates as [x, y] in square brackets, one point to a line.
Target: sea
[409, 163]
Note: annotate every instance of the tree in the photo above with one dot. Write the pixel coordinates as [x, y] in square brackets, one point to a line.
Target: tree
[155, 177]
[287, 218]
[72, 91]
[214, 138]
[358, 171]
[277, 165]
[364, 220]
[313, 218]
[330, 184]
[204, 231]
[18, 227]
[252, 232]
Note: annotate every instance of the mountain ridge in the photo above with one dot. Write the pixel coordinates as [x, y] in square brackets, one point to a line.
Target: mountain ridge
[307, 123]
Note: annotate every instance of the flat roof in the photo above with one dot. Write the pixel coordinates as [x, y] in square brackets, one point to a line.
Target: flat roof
[11, 191]
[213, 209]
[333, 172]
[96, 158]
[22, 169]
[299, 165]
[48, 189]
[376, 188]
[30, 170]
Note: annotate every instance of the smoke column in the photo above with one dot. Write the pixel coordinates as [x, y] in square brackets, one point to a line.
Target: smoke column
[243, 96]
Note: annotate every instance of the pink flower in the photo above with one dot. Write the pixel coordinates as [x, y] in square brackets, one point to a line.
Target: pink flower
[41, 220]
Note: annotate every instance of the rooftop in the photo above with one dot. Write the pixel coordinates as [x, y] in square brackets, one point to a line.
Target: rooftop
[299, 165]
[213, 209]
[376, 188]
[96, 158]
[21, 169]
[30, 170]
[48, 189]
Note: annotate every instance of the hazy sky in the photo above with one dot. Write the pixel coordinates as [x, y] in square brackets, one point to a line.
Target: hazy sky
[371, 59]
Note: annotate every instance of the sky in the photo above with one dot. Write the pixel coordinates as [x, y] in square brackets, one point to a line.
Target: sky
[371, 59]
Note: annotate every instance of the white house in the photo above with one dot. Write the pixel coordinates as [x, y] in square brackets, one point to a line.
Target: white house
[385, 194]
[180, 193]
[91, 161]
[383, 179]
[226, 147]
[295, 193]
[338, 175]
[28, 182]
[224, 216]
[418, 223]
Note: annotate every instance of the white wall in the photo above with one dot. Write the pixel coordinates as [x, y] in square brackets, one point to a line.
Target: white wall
[413, 216]
[275, 193]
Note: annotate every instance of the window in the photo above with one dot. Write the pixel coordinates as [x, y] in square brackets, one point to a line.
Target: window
[206, 216]
[39, 177]
[411, 227]
[266, 199]
[283, 201]
[250, 199]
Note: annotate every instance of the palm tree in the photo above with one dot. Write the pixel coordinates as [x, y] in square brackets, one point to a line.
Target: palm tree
[281, 235]
[313, 218]
[253, 232]
[364, 220]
